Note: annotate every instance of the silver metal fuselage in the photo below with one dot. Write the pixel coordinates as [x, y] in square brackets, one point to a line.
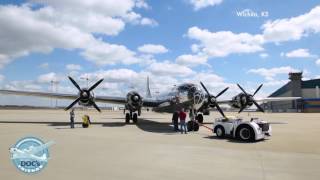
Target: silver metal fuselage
[186, 96]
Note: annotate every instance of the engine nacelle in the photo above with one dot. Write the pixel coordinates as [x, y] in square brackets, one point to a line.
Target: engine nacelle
[86, 97]
[134, 101]
[242, 100]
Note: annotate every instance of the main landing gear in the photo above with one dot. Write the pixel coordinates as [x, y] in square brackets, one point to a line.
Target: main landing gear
[194, 126]
[199, 118]
[131, 116]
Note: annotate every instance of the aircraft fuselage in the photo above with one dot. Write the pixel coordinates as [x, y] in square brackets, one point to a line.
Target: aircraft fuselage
[186, 96]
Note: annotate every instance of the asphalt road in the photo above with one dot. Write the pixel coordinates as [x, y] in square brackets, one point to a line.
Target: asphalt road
[110, 149]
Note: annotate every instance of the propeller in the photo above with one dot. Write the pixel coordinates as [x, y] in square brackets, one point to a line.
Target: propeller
[84, 94]
[213, 99]
[249, 99]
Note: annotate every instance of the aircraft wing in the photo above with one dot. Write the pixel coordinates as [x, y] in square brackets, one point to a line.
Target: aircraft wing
[122, 100]
[272, 99]
[101, 99]
[40, 94]
[269, 99]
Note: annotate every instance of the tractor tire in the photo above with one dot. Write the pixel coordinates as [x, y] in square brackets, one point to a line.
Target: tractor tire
[245, 133]
[220, 132]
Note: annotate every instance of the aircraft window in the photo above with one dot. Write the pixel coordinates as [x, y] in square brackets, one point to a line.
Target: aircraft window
[187, 87]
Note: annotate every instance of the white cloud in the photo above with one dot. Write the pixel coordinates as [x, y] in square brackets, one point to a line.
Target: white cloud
[169, 69]
[4, 59]
[214, 83]
[100, 14]
[299, 53]
[113, 75]
[142, 4]
[44, 65]
[199, 4]
[269, 74]
[273, 83]
[135, 18]
[223, 43]
[191, 60]
[264, 55]
[102, 53]
[60, 24]
[152, 49]
[47, 78]
[2, 77]
[149, 22]
[23, 85]
[292, 28]
[73, 67]
[318, 62]
[195, 48]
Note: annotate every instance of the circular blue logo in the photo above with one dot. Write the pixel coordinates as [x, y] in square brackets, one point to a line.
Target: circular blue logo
[30, 155]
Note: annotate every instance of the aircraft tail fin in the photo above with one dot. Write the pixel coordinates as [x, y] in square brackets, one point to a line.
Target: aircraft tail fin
[148, 92]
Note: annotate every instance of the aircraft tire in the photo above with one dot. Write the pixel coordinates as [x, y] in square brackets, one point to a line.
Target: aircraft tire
[192, 126]
[189, 126]
[127, 118]
[196, 126]
[135, 118]
[200, 118]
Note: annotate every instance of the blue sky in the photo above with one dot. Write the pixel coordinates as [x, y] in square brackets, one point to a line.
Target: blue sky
[125, 41]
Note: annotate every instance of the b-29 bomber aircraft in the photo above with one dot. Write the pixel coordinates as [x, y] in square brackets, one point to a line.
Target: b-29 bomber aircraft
[187, 96]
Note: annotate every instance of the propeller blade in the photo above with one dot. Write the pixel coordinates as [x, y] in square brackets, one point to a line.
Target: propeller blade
[74, 83]
[96, 106]
[72, 104]
[205, 88]
[95, 85]
[220, 110]
[222, 92]
[258, 106]
[242, 108]
[242, 89]
[257, 90]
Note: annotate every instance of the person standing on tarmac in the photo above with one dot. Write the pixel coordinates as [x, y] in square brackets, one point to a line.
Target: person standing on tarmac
[182, 116]
[72, 118]
[175, 120]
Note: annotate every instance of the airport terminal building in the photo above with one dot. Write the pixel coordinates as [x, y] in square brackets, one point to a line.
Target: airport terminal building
[296, 87]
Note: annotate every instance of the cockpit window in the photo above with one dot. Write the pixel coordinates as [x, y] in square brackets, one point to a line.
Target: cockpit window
[187, 87]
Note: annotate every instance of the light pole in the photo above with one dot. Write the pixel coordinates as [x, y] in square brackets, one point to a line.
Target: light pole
[87, 79]
[51, 83]
[54, 83]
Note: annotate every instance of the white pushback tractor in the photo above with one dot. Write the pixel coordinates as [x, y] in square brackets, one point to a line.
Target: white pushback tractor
[252, 130]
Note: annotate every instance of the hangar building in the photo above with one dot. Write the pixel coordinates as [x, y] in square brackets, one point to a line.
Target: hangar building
[296, 87]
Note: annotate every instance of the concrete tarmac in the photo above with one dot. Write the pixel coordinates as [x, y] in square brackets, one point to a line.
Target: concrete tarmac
[112, 150]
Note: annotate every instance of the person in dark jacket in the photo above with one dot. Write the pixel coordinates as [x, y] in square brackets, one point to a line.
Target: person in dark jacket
[72, 118]
[175, 121]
